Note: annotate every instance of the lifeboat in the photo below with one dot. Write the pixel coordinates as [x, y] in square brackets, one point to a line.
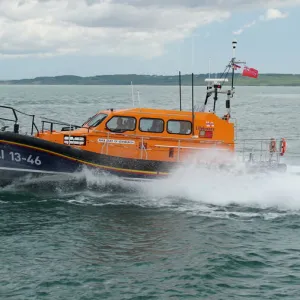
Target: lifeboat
[136, 143]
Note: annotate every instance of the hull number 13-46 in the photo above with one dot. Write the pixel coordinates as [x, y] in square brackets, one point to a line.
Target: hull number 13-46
[17, 157]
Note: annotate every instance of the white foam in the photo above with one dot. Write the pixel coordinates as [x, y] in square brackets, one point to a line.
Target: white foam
[222, 188]
[194, 190]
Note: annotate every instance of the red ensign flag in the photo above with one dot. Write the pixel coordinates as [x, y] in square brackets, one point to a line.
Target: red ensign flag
[250, 72]
[236, 66]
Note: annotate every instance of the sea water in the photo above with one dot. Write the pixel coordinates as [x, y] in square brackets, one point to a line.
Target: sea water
[200, 234]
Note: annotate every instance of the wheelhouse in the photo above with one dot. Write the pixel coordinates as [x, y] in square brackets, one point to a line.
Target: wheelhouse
[144, 133]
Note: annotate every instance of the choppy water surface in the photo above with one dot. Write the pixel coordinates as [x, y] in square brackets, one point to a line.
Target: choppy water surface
[200, 234]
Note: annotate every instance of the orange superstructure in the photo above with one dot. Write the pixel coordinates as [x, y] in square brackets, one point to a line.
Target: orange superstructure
[145, 133]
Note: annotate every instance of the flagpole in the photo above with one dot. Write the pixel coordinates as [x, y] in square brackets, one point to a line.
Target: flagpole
[233, 61]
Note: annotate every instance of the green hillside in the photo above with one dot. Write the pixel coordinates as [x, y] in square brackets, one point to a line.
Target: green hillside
[263, 80]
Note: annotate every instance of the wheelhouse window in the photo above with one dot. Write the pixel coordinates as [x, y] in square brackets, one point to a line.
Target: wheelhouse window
[179, 127]
[151, 125]
[121, 124]
[95, 120]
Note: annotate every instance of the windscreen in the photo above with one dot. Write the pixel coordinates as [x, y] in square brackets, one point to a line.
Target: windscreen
[95, 120]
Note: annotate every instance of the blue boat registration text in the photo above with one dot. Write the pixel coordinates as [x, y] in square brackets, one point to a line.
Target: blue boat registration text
[17, 157]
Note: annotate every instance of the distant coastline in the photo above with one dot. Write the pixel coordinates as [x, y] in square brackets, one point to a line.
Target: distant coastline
[164, 80]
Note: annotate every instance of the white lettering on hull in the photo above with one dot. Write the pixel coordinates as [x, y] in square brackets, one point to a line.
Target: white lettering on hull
[112, 141]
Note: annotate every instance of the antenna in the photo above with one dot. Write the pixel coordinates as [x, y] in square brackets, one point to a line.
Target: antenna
[138, 93]
[132, 94]
[209, 68]
[193, 51]
[193, 116]
[180, 90]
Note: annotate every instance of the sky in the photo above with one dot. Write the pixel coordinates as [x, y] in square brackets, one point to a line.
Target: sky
[97, 37]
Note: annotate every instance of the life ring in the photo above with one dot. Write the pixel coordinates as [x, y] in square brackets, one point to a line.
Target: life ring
[282, 146]
[273, 145]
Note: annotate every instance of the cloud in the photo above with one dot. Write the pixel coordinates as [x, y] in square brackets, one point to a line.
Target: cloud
[272, 14]
[108, 27]
[241, 30]
[212, 4]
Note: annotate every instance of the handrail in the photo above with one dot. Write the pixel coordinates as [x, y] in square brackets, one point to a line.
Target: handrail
[8, 119]
[252, 139]
[56, 122]
[261, 148]
[105, 144]
[165, 138]
[192, 148]
[140, 111]
[15, 111]
[143, 148]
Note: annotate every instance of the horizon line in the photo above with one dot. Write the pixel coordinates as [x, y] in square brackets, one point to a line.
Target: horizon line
[135, 74]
